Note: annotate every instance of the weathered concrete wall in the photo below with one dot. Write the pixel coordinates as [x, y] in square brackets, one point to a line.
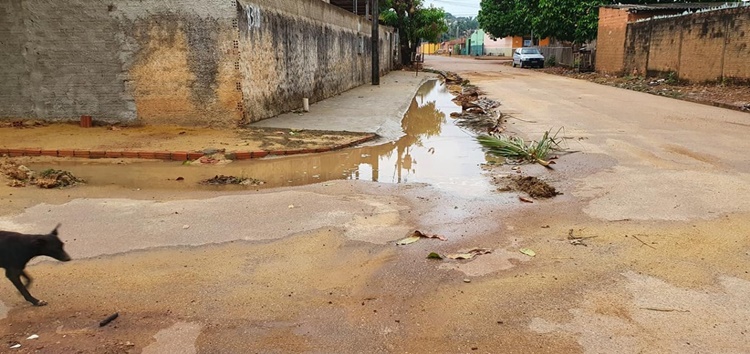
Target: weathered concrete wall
[707, 46]
[176, 61]
[292, 49]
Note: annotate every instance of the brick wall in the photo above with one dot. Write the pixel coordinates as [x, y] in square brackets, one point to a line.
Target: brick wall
[707, 46]
[184, 62]
[610, 40]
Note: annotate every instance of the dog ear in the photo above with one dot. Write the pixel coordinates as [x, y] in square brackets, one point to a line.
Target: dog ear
[54, 232]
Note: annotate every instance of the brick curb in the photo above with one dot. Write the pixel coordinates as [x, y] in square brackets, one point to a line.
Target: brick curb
[174, 155]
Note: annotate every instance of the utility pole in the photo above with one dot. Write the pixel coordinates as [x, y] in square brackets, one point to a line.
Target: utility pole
[375, 43]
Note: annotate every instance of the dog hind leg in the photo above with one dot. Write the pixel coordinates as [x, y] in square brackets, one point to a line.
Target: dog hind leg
[14, 275]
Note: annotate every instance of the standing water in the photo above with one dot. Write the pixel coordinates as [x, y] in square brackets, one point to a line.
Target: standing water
[434, 150]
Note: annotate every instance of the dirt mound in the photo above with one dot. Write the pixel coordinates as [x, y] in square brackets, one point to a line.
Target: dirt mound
[534, 187]
[21, 176]
[52, 178]
[221, 180]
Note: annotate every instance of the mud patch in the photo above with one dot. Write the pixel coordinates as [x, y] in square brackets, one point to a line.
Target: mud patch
[533, 186]
[220, 180]
[180, 338]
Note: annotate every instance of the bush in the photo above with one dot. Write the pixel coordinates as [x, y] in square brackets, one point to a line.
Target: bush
[551, 61]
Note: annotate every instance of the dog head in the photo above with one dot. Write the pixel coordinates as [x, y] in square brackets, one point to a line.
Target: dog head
[50, 245]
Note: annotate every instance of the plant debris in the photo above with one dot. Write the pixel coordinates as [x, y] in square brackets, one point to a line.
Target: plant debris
[416, 236]
[434, 255]
[21, 176]
[470, 254]
[225, 180]
[515, 148]
[528, 252]
[577, 240]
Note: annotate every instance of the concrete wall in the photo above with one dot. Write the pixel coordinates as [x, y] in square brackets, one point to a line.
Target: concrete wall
[707, 46]
[177, 61]
[292, 49]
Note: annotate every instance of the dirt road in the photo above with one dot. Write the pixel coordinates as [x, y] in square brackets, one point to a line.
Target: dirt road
[659, 190]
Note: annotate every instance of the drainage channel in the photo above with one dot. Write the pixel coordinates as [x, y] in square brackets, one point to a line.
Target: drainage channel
[434, 150]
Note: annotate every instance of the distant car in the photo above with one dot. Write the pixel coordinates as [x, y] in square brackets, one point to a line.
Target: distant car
[528, 57]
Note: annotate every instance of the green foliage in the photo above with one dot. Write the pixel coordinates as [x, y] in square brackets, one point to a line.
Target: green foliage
[550, 61]
[515, 148]
[566, 20]
[459, 26]
[414, 23]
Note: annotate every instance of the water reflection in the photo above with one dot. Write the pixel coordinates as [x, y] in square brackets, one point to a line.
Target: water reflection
[433, 150]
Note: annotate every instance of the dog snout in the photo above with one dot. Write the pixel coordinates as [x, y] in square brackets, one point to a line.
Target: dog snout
[63, 257]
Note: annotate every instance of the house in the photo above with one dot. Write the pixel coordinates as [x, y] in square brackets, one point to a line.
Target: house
[482, 43]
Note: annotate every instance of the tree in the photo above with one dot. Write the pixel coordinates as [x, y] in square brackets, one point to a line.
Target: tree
[458, 26]
[414, 23]
[567, 20]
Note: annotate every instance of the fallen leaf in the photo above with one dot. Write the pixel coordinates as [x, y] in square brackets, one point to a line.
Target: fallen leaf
[525, 200]
[469, 254]
[416, 235]
[408, 240]
[528, 252]
[421, 234]
[434, 255]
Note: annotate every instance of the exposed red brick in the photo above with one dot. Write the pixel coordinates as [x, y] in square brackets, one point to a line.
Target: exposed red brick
[258, 154]
[82, 153]
[32, 152]
[278, 152]
[3, 151]
[243, 155]
[98, 154]
[113, 154]
[295, 152]
[179, 156]
[194, 155]
[163, 155]
[15, 152]
[130, 154]
[325, 149]
[146, 155]
[65, 153]
[46, 152]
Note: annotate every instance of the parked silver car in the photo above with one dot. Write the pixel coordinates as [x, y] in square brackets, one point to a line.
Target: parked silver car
[528, 57]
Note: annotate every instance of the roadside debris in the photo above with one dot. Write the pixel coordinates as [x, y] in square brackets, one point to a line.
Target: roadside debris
[225, 180]
[641, 241]
[434, 255]
[27, 123]
[52, 178]
[469, 254]
[416, 236]
[15, 345]
[21, 176]
[109, 319]
[577, 240]
[533, 186]
[528, 252]
[516, 149]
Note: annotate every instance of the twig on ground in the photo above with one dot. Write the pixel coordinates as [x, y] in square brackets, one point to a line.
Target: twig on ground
[636, 237]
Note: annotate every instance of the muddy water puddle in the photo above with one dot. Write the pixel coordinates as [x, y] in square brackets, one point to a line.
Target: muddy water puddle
[433, 150]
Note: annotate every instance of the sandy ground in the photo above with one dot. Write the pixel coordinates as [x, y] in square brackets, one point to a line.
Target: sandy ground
[63, 136]
[658, 188]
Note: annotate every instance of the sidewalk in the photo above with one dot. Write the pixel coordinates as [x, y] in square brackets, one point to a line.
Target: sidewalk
[354, 117]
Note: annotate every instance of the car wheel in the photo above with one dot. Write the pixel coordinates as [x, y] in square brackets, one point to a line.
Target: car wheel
[514, 63]
[520, 64]
[541, 66]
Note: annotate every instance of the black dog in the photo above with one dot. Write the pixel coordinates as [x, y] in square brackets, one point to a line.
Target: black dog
[18, 249]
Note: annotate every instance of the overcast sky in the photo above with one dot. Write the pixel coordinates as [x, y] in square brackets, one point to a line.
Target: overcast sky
[459, 8]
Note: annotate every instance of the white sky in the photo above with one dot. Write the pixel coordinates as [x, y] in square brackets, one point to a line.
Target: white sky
[459, 8]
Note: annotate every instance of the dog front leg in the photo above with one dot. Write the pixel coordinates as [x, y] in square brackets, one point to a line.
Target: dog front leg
[14, 275]
[27, 277]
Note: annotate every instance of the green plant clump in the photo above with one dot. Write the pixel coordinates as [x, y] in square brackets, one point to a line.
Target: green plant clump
[515, 148]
